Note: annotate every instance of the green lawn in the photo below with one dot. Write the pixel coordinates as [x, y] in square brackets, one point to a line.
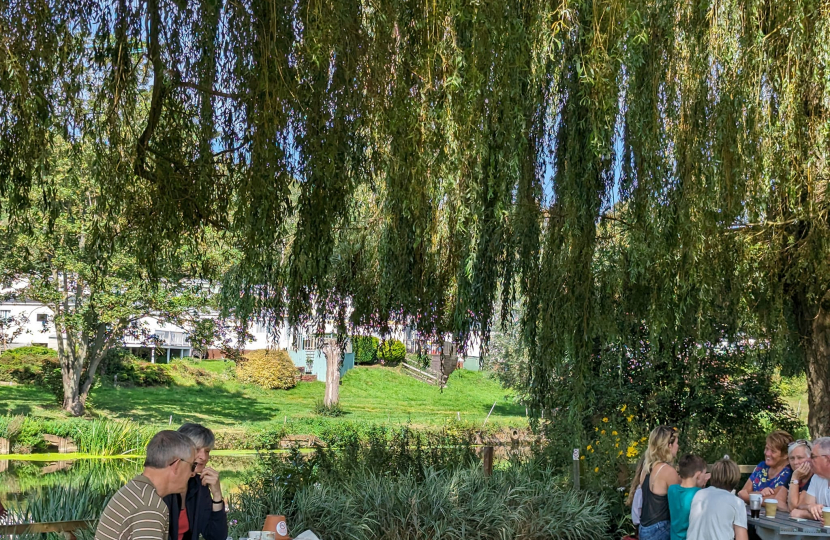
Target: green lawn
[367, 394]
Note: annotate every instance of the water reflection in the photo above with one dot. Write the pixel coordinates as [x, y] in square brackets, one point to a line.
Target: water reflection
[19, 478]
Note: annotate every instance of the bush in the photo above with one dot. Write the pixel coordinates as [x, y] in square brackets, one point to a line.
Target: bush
[26, 364]
[24, 434]
[519, 502]
[333, 411]
[98, 437]
[52, 380]
[365, 349]
[269, 369]
[133, 371]
[392, 352]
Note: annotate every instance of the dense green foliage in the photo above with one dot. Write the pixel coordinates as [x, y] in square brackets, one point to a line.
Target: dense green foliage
[59, 504]
[453, 504]
[272, 370]
[401, 483]
[133, 371]
[26, 364]
[391, 352]
[365, 349]
[650, 177]
[96, 437]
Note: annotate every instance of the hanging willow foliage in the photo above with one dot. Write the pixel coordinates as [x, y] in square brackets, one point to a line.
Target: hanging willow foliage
[636, 170]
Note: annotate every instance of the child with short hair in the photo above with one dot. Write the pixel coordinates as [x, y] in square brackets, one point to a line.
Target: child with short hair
[693, 476]
[716, 513]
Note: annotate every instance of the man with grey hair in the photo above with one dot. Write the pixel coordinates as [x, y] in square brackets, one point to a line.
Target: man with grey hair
[200, 511]
[137, 511]
[818, 494]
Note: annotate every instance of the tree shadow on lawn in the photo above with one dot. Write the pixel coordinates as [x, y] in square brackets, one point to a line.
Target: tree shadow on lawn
[506, 409]
[24, 400]
[214, 406]
[18, 408]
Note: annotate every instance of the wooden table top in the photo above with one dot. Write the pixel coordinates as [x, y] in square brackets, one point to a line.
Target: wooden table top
[786, 526]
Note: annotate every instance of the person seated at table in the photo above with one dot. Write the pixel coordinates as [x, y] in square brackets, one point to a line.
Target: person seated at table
[137, 510]
[715, 513]
[817, 495]
[693, 477]
[657, 475]
[202, 509]
[799, 454]
[772, 476]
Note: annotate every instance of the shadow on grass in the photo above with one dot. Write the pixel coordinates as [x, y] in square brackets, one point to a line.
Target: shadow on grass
[24, 399]
[215, 405]
[506, 409]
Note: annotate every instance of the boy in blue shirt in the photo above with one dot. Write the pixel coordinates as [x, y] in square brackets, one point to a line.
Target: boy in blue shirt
[693, 476]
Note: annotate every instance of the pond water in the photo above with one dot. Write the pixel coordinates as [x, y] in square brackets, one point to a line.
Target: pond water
[103, 475]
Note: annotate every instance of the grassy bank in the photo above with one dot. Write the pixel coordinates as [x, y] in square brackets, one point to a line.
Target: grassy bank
[247, 416]
[368, 394]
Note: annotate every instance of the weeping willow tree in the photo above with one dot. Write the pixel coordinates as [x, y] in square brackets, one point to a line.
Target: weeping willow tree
[636, 171]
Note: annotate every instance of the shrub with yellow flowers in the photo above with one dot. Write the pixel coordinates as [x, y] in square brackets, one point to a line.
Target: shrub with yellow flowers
[615, 443]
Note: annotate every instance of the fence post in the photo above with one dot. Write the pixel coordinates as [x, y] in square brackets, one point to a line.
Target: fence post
[576, 469]
[487, 460]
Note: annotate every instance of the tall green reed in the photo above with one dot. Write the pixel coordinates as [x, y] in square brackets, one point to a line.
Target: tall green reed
[58, 504]
[460, 504]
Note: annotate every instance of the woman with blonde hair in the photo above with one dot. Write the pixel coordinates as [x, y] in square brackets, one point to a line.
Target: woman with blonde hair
[656, 477]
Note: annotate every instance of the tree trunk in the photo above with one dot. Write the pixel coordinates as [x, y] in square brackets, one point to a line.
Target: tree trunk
[71, 359]
[332, 352]
[74, 355]
[817, 350]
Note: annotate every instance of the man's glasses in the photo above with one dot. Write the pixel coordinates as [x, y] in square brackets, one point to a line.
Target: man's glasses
[191, 463]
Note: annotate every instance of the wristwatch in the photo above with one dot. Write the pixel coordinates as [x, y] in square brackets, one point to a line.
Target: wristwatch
[220, 501]
[794, 481]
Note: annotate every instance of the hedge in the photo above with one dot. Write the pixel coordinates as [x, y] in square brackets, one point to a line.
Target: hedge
[269, 369]
[392, 352]
[365, 349]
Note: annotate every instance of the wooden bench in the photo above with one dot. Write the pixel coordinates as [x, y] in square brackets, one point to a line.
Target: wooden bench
[68, 528]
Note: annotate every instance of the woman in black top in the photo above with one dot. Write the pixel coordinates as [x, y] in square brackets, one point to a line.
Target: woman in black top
[658, 474]
[202, 509]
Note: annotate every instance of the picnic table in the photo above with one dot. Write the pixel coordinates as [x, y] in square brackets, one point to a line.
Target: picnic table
[783, 527]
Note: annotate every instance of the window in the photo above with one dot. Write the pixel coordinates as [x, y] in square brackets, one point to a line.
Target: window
[43, 319]
[5, 314]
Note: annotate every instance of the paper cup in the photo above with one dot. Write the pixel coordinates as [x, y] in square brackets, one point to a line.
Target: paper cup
[771, 506]
[825, 512]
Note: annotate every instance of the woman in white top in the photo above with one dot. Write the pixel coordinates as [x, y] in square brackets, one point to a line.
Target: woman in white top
[635, 496]
[716, 514]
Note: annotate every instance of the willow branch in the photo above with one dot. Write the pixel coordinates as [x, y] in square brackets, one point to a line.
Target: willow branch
[210, 91]
[159, 90]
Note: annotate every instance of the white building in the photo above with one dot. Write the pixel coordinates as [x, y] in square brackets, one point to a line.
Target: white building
[26, 323]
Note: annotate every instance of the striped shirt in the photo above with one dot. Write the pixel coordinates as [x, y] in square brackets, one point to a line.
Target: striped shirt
[135, 512]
